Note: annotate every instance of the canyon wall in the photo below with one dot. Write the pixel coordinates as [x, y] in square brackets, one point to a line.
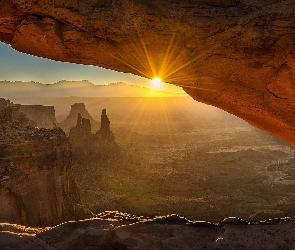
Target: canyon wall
[37, 186]
[44, 116]
[235, 55]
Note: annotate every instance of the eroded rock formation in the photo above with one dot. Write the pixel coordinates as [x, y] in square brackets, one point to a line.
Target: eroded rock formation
[71, 120]
[105, 133]
[81, 137]
[93, 155]
[44, 116]
[11, 117]
[37, 186]
[235, 55]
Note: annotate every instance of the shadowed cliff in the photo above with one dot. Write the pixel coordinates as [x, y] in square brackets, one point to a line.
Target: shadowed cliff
[37, 186]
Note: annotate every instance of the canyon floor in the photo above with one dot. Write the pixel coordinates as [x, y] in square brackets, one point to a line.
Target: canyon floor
[202, 164]
[183, 157]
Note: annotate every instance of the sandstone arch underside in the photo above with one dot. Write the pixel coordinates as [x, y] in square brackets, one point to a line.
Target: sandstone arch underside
[238, 55]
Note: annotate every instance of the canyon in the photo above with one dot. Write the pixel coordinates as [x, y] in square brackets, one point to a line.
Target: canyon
[44, 116]
[235, 55]
[114, 230]
[37, 186]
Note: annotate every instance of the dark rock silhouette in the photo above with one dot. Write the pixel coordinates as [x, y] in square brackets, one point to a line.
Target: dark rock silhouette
[71, 120]
[105, 121]
[92, 153]
[37, 186]
[80, 135]
[115, 231]
[44, 116]
[105, 133]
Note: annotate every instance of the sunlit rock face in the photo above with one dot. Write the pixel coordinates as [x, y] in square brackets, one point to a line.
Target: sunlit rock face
[105, 133]
[236, 55]
[37, 186]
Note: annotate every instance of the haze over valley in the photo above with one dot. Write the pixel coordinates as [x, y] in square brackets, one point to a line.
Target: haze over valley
[178, 156]
[83, 88]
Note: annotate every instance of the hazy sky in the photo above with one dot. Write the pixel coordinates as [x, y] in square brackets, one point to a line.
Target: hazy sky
[16, 66]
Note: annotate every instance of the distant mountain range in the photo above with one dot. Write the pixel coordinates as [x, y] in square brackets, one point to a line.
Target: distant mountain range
[77, 88]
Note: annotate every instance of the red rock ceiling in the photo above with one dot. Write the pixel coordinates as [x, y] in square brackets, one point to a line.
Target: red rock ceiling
[237, 55]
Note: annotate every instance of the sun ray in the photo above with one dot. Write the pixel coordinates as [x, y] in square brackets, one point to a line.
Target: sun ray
[149, 58]
[183, 66]
[168, 55]
[166, 66]
[128, 64]
[142, 58]
[147, 54]
[182, 79]
[140, 115]
[187, 63]
[172, 63]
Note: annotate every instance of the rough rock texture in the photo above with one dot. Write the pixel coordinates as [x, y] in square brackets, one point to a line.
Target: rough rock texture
[37, 186]
[71, 120]
[122, 232]
[44, 116]
[234, 54]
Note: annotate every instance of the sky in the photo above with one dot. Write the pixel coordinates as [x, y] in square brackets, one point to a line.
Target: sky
[16, 66]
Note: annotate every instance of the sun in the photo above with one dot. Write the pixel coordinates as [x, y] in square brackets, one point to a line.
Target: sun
[157, 83]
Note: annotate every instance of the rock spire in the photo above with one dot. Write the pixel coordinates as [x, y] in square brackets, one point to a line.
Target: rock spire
[105, 132]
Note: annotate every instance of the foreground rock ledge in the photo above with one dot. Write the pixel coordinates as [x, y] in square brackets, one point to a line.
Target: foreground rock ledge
[171, 232]
[235, 55]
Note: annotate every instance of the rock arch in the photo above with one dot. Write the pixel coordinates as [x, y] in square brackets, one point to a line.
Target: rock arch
[235, 55]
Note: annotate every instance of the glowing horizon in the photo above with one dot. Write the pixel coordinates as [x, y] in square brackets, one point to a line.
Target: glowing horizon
[82, 88]
[17, 66]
